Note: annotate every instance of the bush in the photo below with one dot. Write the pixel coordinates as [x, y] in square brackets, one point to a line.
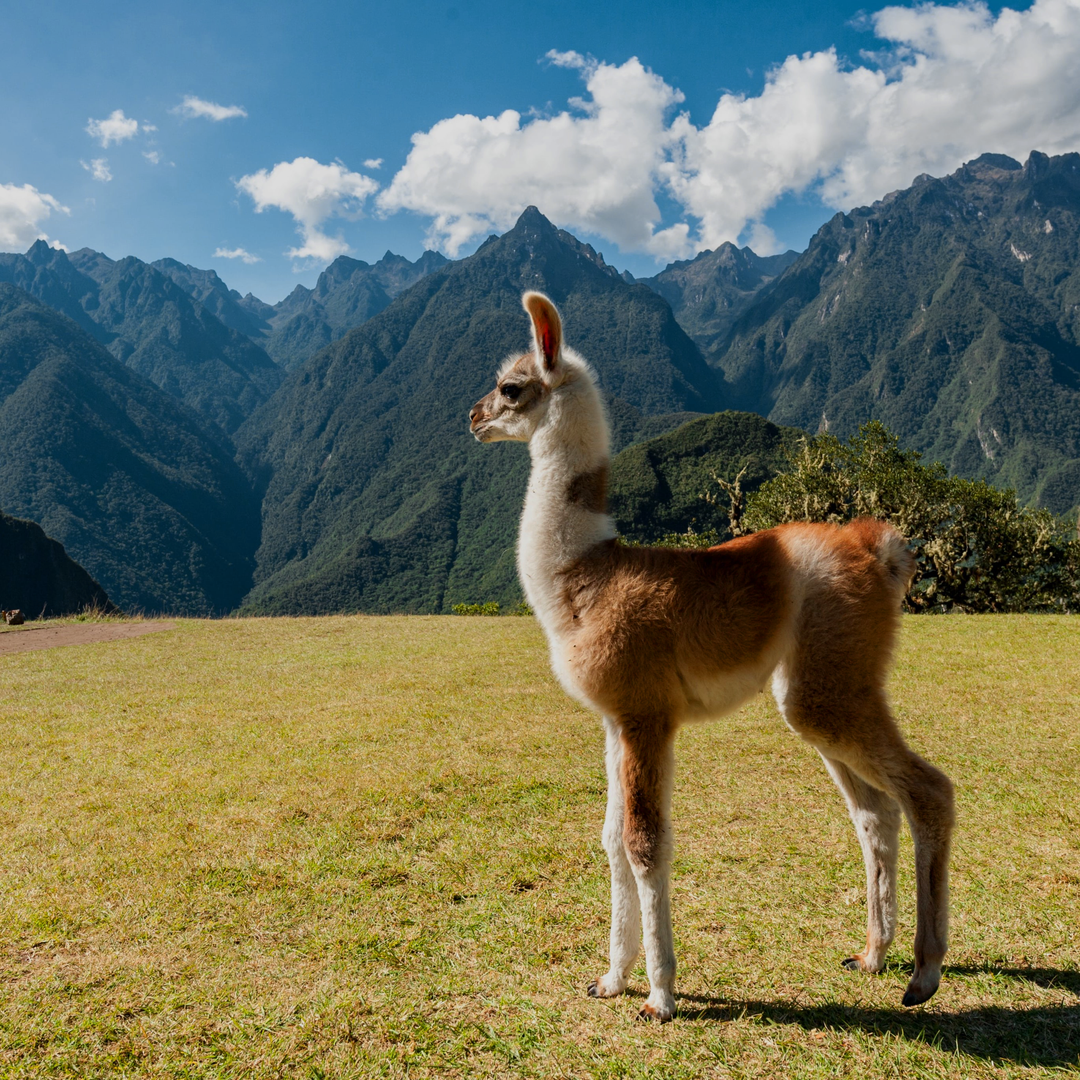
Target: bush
[490, 608]
[977, 549]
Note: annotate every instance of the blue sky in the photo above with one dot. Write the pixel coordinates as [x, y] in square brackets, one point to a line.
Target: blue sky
[643, 165]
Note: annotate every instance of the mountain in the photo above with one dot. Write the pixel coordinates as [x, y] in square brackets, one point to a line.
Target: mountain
[246, 315]
[659, 486]
[151, 324]
[377, 498]
[950, 311]
[39, 577]
[124, 476]
[348, 293]
[711, 291]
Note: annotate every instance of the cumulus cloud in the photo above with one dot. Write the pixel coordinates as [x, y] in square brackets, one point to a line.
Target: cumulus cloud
[952, 82]
[956, 82]
[98, 168]
[312, 193]
[595, 168]
[193, 107]
[114, 129]
[373, 163]
[22, 209]
[153, 156]
[236, 253]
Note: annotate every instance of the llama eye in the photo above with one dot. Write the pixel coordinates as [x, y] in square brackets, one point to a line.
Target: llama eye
[511, 391]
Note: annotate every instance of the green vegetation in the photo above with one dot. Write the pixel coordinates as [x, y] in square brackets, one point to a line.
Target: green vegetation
[949, 311]
[667, 485]
[490, 608]
[354, 847]
[133, 486]
[977, 548]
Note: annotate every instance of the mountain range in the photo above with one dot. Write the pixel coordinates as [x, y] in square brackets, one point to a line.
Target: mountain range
[126, 477]
[198, 450]
[154, 327]
[377, 498]
[950, 311]
[710, 292]
[347, 293]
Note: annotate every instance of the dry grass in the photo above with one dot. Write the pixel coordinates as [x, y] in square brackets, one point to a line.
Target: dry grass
[370, 846]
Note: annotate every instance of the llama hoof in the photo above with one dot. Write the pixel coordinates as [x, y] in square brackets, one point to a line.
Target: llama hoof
[916, 995]
[923, 985]
[603, 988]
[649, 1012]
[860, 962]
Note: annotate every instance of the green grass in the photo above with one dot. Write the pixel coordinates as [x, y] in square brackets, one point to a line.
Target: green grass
[371, 847]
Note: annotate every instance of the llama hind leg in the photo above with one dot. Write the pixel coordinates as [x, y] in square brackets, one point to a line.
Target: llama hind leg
[625, 908]
[876, 817]
[925, 795]
[648, 773]
[873, 750]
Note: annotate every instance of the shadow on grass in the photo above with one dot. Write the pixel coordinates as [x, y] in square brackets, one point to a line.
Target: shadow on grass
[1046, 1035]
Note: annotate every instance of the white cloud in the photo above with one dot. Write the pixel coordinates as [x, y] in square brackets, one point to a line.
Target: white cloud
[236, 253]
[98, 168]
[22, 209]
[312, 193]
[193, 107]
[595, 168]
[953, 82]
[957, 82]
[373, 163]
[115, 129]
[153, 156]
[763, 240]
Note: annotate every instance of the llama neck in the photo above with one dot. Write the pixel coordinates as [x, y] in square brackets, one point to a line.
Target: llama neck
[566, 503]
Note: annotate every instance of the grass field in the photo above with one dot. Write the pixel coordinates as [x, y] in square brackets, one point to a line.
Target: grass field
[371, 846]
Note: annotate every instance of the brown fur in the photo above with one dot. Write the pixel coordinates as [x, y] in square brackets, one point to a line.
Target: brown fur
[589, 490]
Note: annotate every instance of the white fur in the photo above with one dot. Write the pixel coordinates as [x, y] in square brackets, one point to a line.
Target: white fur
[571, 438]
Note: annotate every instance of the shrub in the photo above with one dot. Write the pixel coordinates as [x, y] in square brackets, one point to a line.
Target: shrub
[490, 608]
[977, 549]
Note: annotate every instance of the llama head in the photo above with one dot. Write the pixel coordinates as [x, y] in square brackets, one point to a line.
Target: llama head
[519, 402]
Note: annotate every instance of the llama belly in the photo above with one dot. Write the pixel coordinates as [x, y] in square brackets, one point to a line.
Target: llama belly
[711, 696]
[656, 688]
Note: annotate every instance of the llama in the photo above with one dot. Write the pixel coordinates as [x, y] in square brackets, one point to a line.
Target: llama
[652, 638]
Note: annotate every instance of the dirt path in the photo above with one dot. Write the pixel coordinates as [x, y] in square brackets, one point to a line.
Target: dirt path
[52, 637]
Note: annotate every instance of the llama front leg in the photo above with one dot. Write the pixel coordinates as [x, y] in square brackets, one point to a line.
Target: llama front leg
[625, 909]
[648, 773]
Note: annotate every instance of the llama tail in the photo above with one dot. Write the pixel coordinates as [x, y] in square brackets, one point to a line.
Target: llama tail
[890, 549]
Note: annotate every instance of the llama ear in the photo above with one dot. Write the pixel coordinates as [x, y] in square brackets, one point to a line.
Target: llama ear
[547, 329]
